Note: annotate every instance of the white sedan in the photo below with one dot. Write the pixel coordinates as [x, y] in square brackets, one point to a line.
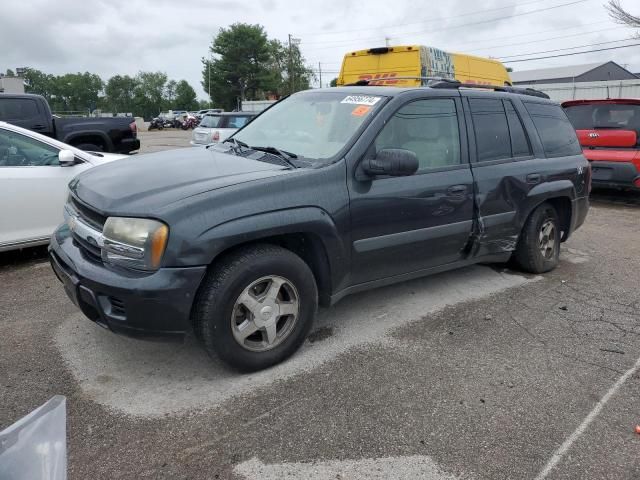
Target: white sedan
[34, 173]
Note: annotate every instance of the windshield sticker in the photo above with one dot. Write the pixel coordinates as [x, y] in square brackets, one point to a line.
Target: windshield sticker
[361, 100]
[360, 111]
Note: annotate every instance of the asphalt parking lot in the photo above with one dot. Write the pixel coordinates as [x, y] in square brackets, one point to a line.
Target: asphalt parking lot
[480, 373]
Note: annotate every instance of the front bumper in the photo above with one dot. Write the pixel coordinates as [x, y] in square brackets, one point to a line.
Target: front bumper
[614, 174]
[136, 304]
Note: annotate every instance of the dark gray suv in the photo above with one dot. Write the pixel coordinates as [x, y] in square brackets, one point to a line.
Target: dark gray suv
[327, 193]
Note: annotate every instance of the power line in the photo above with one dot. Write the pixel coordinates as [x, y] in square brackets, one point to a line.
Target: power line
[439, 19]
[574, 53]
[568, 48]
[479, 22]
[538, 40]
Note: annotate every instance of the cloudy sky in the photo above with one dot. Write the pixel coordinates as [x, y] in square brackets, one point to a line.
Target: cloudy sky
[111, 37]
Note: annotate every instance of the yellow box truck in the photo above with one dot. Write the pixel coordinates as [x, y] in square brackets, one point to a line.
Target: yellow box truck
[388, 66]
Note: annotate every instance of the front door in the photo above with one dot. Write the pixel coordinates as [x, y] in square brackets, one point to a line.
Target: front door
[406, 224]
[33, 188]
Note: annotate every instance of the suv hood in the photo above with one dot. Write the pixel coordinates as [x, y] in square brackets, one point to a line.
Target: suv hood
[142, 184]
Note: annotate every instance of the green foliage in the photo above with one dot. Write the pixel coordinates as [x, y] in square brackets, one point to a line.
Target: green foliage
[119, 94]
[145, 95]
[10, 73]
[247, 65]
[334, 82]
[185, 97]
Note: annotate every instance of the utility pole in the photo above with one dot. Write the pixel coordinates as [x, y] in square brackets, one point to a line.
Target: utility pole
[209, 74]
[320, 72]
[290, 67]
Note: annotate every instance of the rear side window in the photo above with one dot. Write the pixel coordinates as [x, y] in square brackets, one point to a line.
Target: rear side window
[491, 129]
[237, 122]
[520, 146]
[17, 109]
[556, 132]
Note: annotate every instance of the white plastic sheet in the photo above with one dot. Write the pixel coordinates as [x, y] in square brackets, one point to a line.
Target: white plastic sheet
[35, 447]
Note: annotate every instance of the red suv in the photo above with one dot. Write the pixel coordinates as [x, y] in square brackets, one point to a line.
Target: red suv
[609, 132]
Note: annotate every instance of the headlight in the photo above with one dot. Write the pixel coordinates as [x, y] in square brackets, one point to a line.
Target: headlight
[137, 243]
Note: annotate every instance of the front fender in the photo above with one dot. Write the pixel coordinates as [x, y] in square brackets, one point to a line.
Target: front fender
[214, 241]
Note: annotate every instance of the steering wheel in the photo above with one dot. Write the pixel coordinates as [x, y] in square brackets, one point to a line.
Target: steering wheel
[48, 158]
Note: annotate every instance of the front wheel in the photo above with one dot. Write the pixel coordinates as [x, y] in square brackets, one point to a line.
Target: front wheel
[256, 307]
[538, 248]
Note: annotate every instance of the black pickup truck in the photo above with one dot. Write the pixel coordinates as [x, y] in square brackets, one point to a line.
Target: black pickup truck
[327, 193]
[99, 134]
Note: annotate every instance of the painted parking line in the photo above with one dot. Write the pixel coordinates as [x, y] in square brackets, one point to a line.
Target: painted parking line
[561, 451]
[154, 379]
[416, 467]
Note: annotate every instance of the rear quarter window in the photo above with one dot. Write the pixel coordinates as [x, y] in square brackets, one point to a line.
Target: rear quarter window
[18, 109]
[557, 134]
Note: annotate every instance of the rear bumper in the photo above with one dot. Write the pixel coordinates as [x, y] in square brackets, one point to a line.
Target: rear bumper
[134, 304]
[127, 145]
[614, 174]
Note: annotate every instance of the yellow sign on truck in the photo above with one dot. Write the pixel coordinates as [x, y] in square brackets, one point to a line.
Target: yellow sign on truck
[402, 66]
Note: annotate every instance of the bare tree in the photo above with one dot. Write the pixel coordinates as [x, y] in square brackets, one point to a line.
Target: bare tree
[620, 15]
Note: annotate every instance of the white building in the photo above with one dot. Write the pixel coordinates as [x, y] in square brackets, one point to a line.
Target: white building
[11, 84]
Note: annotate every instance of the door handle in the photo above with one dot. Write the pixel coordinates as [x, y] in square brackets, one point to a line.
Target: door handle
[457, 190]
[534, 178]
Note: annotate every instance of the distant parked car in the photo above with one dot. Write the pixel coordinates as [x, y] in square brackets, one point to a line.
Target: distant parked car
[609, 132]
[34, 173]
[201, 113]
[216, 127]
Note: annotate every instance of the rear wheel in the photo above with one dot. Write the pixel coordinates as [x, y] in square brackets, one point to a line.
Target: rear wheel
[256, 307]
[538, 248]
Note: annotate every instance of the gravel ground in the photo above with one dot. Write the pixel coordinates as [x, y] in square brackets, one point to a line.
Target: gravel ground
[473, 374]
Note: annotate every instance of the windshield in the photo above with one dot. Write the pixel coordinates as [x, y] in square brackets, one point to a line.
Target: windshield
[211, 121]
[313, 124]
[604, 115]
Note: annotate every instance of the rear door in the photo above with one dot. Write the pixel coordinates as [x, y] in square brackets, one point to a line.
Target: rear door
[407, 224]
[33, 188]
[504, 166]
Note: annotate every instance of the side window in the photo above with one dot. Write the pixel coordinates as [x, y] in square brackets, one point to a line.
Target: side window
[429, 128]
[17, 150]
[17, 109]
[520, 146]
[491, 129]
[556, 132]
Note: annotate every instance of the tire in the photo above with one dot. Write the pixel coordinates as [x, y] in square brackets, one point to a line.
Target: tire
[529, 254]
[243, 279]
[90, 147]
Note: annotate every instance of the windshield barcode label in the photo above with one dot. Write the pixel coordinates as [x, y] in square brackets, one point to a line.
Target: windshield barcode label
[361, 100]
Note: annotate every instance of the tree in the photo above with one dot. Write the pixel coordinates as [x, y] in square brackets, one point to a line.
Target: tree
[334, 82]
[620, 15]
[76, 91]
[288, 72]
[119, 93]
[149, 93]
[170, 94]
[10, 73]
[185, 96]
[241, 67]
[39, 83]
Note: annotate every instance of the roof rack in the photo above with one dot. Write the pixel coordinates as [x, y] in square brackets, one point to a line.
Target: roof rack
[442, 82]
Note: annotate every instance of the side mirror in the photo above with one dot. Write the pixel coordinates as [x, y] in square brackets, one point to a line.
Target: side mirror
[66, 158]
[393, 162]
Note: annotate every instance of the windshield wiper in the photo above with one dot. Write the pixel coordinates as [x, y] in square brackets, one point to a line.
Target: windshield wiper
[236, 142]
[283, 154]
